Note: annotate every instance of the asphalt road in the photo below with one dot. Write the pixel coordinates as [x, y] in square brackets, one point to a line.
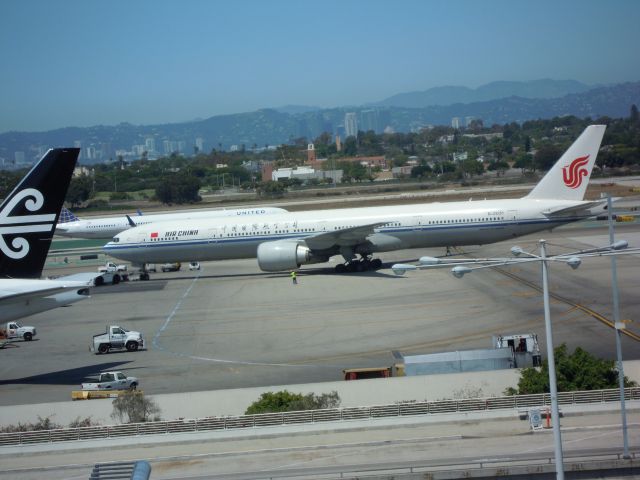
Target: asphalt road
[369, 447]
[231, 325]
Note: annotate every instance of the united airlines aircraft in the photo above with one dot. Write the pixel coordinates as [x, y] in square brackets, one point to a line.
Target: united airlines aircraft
[287, 241]
[27, 220]
[107, 227]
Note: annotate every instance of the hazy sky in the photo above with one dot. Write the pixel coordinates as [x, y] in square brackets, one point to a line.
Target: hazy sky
[86, 62]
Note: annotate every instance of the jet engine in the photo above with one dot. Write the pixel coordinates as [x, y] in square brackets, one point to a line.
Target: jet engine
[285, 255]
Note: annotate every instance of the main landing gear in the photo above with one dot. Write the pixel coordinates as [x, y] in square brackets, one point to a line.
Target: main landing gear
[361, 265]
[144, 272]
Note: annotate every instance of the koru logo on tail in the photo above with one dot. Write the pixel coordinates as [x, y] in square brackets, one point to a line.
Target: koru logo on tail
[12, 225]
[573, 173]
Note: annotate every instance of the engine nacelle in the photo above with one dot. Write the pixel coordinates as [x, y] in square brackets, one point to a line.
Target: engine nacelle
[284, 255]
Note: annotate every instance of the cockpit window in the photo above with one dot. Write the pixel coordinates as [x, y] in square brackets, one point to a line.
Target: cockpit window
[116, 239]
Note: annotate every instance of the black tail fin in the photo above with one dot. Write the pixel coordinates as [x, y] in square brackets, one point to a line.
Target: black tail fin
[28, 216]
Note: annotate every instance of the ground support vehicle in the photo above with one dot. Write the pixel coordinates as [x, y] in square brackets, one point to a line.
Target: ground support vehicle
[112, 381]
[171, 267]
[112, 278]
[116, 338]
[14, 330]
[112, 268]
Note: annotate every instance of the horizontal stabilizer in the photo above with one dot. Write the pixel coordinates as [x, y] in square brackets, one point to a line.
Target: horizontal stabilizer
[576, 209]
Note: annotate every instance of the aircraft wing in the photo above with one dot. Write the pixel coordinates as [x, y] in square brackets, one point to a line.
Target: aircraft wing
[86, 278]
[343, 237]
[35, 289]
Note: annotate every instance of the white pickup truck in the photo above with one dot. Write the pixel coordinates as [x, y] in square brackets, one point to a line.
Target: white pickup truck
[112, 381]
[111, 267]
[16, 330]
[117, 338]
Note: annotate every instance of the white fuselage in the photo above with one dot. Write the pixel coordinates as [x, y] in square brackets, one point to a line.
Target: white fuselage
[110, 226]
[411, 226]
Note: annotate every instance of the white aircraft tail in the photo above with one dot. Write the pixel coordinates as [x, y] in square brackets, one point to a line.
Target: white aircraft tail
[569, 177]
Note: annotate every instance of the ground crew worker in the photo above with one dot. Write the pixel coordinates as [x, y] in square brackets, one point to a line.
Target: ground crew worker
[294, 278]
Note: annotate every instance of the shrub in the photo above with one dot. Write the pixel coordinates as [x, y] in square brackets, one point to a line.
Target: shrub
[285, 401]
[133, 407]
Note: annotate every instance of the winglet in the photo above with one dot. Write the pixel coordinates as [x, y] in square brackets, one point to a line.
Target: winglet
[29, 214]
[131, 222]
[569, 177]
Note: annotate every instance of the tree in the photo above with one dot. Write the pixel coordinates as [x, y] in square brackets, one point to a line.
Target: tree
[546, 156]
[271, 188]
[577, 371]
[350, 146]
[134, 407]
[179, 188]
[285, 401]
[524, 161]
[634, 116]
[79, 190]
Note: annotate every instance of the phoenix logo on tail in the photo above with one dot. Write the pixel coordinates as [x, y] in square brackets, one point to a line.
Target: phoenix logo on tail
[573, 173]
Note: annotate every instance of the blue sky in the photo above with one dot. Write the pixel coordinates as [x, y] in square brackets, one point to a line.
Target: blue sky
[84, 62]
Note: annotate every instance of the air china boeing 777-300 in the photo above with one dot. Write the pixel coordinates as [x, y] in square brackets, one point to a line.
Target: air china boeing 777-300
[287, 241]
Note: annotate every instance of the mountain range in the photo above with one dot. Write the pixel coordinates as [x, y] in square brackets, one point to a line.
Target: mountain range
[450, 95]
[495, 103]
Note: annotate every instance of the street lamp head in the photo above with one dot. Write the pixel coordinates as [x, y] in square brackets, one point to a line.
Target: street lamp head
[460, 271]
[574, 262]
[619, 245]
[429, 261]
[401, 268]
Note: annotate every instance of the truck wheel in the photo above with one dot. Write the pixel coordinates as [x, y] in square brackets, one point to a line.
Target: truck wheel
[103, 348]
[116, 280]
[28, 337]
[132, 346]
[133, 386]
[98, 281]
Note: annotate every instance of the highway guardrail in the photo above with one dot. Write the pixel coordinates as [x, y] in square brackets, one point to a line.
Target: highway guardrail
[518, 402]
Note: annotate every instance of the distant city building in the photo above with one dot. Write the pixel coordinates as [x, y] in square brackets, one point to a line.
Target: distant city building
[455, 122]
[468, 120]
[351, 124]
[311, 153]
[182, 146]
[369, 121]
[166, 147]
[338, 143]
[234, 148]
[137, 150]
[91, 153]
[19, 158]
[267, 171]
[150, 144]
[305, 173]
[200, 144]
[376, 161]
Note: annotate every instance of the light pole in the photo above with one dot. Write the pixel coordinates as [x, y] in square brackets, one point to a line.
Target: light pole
[553, 388]
[618, 326]
[462, 267]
